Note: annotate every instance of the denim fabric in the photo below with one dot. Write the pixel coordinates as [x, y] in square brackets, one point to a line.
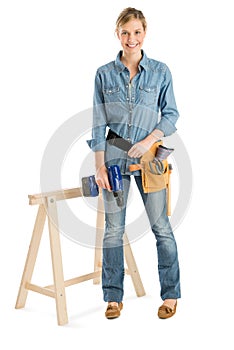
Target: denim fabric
[131, 109]
[113, 257]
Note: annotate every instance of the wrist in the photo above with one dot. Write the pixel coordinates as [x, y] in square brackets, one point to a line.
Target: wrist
[99, 160]
[151, 139]
[157, 134]
[100, 167]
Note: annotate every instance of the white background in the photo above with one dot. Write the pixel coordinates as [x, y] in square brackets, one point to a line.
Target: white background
[49, 54]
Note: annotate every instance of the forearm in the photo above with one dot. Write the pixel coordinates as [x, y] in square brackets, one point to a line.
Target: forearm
[101, 175]
[99, 159]
[153, 137]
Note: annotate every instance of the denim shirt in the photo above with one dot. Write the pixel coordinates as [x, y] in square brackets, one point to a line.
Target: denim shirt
[131, 109]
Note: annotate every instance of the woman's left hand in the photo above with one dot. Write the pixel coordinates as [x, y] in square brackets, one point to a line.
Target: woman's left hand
[137, 150]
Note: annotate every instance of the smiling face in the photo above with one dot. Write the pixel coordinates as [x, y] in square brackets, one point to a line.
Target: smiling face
[131, 36]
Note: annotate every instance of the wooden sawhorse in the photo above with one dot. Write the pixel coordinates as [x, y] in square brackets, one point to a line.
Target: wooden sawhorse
[48, 208]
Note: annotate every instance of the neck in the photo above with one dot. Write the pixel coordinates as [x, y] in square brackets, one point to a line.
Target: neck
[131, 60]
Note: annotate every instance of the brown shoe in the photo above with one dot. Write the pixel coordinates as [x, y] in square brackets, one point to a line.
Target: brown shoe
[165, 311]
[113, 311]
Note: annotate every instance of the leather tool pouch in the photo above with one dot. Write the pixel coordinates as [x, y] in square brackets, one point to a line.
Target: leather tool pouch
[155, 177]
[153, 180]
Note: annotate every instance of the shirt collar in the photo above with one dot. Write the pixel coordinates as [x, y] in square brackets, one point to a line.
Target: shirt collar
[120, 66]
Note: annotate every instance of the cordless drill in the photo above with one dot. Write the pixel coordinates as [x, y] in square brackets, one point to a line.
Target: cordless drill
[90, 187]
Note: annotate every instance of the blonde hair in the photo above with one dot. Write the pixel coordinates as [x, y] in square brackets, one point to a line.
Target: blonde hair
[128, 14]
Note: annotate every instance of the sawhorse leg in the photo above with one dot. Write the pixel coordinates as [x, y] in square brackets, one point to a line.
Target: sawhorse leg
[132, 268]
[58, 289]
[56, 256]
[99, 236]
[31, 257]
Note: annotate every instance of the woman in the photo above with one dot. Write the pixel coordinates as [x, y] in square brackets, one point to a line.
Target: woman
[134, 98]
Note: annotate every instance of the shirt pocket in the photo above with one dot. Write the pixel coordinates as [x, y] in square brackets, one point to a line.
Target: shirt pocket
[111, 94]
[148, 95]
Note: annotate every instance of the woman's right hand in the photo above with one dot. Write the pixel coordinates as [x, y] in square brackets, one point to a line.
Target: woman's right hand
[101, 178]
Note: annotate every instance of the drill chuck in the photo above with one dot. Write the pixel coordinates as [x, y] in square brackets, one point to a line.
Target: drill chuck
[119, 196]
[116, 183]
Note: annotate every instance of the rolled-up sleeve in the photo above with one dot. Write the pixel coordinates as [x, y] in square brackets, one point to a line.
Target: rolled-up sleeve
[98, 141]
[167, 105]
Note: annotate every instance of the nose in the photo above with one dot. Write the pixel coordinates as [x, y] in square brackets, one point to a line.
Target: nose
[130, 37]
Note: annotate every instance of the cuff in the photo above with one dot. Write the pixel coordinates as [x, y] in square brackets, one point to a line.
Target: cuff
[97, 145]
[166, 127]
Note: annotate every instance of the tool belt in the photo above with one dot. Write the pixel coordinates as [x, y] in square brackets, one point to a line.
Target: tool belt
[115, 140]
[155, 171]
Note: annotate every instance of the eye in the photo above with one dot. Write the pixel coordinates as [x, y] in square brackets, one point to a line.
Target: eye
[138, 32]
[124, 33]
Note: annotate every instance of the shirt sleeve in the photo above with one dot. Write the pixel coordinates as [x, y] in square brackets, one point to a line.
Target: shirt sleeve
[98, 141]
[167, 105]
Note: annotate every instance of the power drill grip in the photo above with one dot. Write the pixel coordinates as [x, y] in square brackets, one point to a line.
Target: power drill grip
[90, 187]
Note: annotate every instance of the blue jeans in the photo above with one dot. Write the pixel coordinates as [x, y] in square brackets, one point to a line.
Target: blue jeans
[113, 254]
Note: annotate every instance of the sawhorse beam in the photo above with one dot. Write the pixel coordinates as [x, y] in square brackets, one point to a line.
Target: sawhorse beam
[48, 209]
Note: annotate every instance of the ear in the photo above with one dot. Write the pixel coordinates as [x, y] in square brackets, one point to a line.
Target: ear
[117, 34]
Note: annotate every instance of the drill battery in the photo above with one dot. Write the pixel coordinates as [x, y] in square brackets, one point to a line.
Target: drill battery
[89, 186]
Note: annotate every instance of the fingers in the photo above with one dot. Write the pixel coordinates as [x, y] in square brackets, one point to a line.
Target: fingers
[102, 179]
[136, 151]
[133, 153]
[103, 183]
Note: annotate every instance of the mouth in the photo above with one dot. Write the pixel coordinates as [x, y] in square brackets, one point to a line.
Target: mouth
[132, 46]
